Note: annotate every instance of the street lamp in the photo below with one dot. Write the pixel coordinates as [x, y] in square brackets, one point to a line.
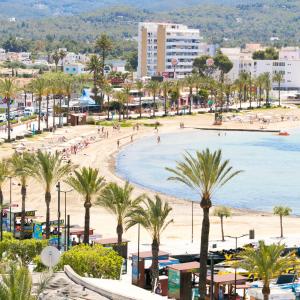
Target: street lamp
[58, 215]
[65, 231]
[138, 256]
[251, 235]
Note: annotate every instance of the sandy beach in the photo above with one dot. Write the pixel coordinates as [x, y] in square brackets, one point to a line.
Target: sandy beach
[101, 153]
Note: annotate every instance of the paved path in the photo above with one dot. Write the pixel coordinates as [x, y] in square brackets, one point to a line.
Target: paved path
[60, 287]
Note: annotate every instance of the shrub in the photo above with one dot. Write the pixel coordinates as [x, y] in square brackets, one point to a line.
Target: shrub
[156, 124]
[33, 117]
[95, 261]
[90, 121]
[25, 250]
[114, 123]
[39, 266]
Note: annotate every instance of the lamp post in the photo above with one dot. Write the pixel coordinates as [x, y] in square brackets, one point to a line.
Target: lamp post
[68, 232]
[58, 215]
[192, 221]
[212, 256]
[65, 231]
[251, 236]
[138, 256]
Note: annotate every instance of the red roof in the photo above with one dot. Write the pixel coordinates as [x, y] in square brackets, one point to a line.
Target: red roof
[228, 278]
[148, 254]
[185, 266]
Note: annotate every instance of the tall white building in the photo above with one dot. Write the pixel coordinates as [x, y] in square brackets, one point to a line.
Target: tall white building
[164, 47]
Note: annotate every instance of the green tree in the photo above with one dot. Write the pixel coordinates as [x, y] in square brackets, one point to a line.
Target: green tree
[56, 58]
[120, 202]
[223, 64]
[39, 86]
[153, 87]
[62, 55]
[88, 183]
[221, 212]
[108, 91]
[8, 90]
[140, 87]
[204, 172]
[200, 65]
[104, 45]
[267, 84]
[4, 173]
[154, 218]
[48, 169]
[121, 97]
[260, 85]
[166, 87]
[278, 78]
[94, 66]
[20, 165]
[281, 211]
[267, 263]
[190, 82]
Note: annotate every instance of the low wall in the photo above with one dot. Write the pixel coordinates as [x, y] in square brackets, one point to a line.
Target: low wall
[81, 281]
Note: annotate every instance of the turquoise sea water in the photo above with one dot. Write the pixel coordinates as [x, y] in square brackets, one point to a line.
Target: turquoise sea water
[271, 166]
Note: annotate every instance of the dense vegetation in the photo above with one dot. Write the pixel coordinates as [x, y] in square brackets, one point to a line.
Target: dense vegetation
[231, 23]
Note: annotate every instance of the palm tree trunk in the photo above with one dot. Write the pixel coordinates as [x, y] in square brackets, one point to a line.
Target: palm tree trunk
[140, 106]
[1, 217]
[222, 228]
[68, 108]
[165, 96]
[154, 105]
[53, 113]
[23, 211]
[120, 234]
[47, 112]
[281, 227]
[47, 200]
[266, 292]
[279, 92]
[190, 102]
[107, 107]
[87, 206]
[8, 119]
[154, 268]
[39, 120]
[204, 252]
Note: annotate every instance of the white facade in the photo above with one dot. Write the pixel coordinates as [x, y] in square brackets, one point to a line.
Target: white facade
[176, 43]
[288, 65]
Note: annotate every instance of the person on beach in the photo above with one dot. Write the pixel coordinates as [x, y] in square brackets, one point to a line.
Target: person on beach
[118, 143]
[131, 138]
[158, 139]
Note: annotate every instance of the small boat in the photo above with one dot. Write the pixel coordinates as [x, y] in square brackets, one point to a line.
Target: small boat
[283, 133]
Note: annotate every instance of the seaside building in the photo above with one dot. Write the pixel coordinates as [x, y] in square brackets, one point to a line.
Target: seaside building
[167, 49]
[288, 64]
[74, 69]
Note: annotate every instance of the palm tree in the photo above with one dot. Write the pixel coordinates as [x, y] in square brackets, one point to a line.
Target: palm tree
[8, 90]
[278, 78]
[267, 263]
[121, 99]
[4, 173]
[190, 81]
[120, 202]
[104, 45]
[260, 84]
[166, 86]
[69, 87]
[20, 164]
[204, 172]
[39, 86]
[62, 55]
[94, 66]
[126, 90]
[176, 90]
[154, 218]
[48, 169]
[108, 90]
[16, 283]
[140, 86]
[153, 87]
[221, 212]
[88, 183]
[281, 211]
[56, 58]
[267, 85]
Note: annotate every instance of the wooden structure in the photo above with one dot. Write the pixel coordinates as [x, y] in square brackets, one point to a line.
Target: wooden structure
[226, 282]
[140, 271]
[121, 250]
[77, 119]
[181, 280]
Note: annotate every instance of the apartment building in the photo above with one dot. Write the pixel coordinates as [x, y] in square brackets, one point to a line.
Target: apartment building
[167, 49]
[288, 65]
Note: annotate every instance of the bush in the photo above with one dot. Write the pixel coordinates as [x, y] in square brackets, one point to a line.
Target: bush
[156, 124]
[96, 261]
[90, 121]
[114, 123]
[25, 250]
[39, 266]
[33, 117]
